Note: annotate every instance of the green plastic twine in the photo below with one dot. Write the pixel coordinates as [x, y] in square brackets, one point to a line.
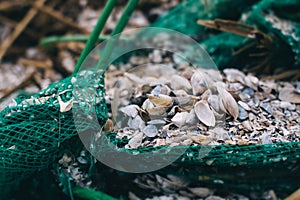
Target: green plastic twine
[95, 34]
[118, 29]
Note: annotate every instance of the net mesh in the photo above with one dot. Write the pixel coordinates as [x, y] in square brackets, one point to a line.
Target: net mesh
[33, 130]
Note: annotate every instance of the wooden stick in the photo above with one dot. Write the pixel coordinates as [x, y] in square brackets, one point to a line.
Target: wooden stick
[41, 64]
[6, 5]
[66, 20]
[19, 28]
[10, 23]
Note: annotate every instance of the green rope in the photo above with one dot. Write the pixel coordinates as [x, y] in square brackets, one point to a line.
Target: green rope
[91, 194]
[95, 34]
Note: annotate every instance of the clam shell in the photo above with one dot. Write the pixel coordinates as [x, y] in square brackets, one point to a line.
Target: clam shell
[136, 123]
[156, 111]
[161, 89]
[179, 82]
[213, 101]
[229, 103]
[289, 94]
[234, 75]
[147, 104]
[179, 119]
[191, 118]
[150, 130]
[136, 140]
[160, 100]
[204, 113]
[199, 83]
[130, 111]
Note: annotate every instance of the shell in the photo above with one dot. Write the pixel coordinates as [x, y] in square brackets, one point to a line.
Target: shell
[179, 119]
[150, 130]
[200, 191]
[289, 94]
[204, 113]
[130, 111]
[234, 75]
[136, 123]
[213, 101]
[160, 100]
[136, 140]
[191, 118]
[147, 104]
[198, 83]
[156, 111]
[161, 89]
[64, 106]
[228, 102]
[179, 82]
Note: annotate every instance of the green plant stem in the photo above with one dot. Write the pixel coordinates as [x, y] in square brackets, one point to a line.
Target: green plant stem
[45, 42]
[95, 34]
[118, 29]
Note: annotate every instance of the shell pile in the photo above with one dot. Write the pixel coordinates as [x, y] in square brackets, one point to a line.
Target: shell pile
[176, 104]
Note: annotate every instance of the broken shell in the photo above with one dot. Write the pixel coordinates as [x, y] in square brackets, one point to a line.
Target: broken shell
[156, 111]
[136, 123]
[161, 89]
[157, 122]
[150, 130]
[191, 118]
[289, 95]
[247, 125]
[204, 113]
[200, 191]
[64, 106]
[182, 100]
[179, 82]
[179, 119]
[136, 140]
[160, 100]
[199, 138]
[130, 111]
[147, 104]
[244, 105]
[206, 94]
[234, 75]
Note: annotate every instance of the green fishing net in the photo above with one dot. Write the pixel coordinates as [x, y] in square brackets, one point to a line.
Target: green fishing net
[34, 129]
[279, 19]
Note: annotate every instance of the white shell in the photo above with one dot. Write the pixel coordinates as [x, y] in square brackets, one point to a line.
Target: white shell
[179, 119]
[204, 113]
[150, 130]
[179, 82]
[130, 111]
